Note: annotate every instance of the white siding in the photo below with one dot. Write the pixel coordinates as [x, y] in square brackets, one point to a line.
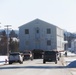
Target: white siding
[39, 40]
[60, 39]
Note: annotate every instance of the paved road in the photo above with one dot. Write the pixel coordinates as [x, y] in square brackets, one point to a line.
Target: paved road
[35, 67]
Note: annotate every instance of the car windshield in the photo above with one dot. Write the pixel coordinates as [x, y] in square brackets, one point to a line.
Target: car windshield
[14, 53]
[27, 52]
[49, 52]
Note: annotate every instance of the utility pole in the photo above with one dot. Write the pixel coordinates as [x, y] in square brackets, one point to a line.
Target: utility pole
[7, 28]
[0, 35]
[0, 23]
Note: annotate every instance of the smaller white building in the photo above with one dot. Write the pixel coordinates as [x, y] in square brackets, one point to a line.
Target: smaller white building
[73, 45]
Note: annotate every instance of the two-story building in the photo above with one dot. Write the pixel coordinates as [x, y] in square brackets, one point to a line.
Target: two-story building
[40, 35]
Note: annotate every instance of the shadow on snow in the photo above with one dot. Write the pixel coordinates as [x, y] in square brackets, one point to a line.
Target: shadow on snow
[71, 65]
[35, 67]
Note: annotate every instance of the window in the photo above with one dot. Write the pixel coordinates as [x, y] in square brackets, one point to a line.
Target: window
[26, 31]
[37, 30]
[48, 31]
[48, 42]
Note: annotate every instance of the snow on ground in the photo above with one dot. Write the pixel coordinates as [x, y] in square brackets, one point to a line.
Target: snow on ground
[71, 54]
[70, 60]
[68, 53]
[3, 60]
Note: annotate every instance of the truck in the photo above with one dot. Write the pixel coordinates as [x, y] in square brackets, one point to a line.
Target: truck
[50, 56]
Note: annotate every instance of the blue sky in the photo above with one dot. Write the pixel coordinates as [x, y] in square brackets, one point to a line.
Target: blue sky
[61, 13]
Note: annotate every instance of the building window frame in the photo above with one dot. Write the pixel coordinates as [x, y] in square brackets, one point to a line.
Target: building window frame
[48, 31]
[26, 31]
[37, 30]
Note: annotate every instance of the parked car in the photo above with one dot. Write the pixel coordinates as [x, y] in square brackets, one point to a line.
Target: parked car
[15, 57]
[50, 56]
[27, 55]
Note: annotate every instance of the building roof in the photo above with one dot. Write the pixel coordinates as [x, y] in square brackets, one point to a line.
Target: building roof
[38, 21]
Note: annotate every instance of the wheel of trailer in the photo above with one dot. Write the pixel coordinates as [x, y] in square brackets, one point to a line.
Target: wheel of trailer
[31, 58]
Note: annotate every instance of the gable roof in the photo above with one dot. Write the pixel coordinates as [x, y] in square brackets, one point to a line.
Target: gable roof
[37, 21]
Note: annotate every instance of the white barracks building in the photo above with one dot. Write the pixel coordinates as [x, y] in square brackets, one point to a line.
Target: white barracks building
[40, 35]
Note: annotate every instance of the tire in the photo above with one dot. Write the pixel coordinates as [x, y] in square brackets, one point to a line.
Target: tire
[58, 58]
[44, 62]
[31, 58]
[55, 62]
[10, 62]
[21, 62]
